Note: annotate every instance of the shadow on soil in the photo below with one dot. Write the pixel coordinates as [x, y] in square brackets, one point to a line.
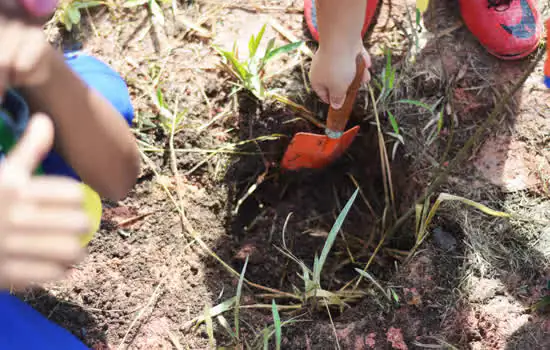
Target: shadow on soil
[73, 318]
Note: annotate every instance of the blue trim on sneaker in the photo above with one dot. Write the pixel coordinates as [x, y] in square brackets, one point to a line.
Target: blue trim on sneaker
[314, 15]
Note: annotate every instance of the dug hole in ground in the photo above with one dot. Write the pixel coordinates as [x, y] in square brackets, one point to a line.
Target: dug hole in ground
[159, 277]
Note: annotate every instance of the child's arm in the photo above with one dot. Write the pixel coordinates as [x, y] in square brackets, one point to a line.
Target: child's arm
[90, 134]
[333, 67]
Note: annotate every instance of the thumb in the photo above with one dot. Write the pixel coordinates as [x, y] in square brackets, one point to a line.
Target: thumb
[30, 150]
[337, 99]
[39, 8]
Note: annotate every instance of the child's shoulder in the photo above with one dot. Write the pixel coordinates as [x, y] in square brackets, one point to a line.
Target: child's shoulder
[104, 79]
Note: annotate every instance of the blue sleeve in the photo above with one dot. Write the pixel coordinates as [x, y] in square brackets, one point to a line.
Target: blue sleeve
[102, 78]
[23, 328]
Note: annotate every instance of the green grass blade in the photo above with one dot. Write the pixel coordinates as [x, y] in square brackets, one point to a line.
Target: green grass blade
[277, 325]
[417, 103]
[238, 298]
[483, 208]
[393, 122]
[209, 327]
[270, 46]
[281, 50]
[217, 310]
[251, 43]
[237, 66]
[266, 338]
[223, 322]
[253, 47]
[332, 237]
[440, 122]
[375, 282]
[387, 69]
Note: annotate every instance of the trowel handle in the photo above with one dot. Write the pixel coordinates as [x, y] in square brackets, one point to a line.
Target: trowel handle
[337, 119]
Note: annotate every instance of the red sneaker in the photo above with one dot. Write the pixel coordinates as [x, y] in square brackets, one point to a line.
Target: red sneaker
[310, 12]
[508, 29]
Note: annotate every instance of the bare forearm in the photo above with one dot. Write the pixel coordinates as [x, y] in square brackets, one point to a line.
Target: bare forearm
[340, 23]
[90, 134]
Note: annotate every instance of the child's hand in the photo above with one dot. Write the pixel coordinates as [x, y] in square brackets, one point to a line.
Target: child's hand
[332, 71]
[42, 219]
[25, 54]
[30, 11]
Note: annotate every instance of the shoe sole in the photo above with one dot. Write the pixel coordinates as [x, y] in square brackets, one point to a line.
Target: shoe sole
[518, 56]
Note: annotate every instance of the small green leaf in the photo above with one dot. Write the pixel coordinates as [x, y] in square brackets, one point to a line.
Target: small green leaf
[393, 122]
[257, 41]
[440, 121]
[395, 296]
[238, 298]
[251, 43]
[67, 22]
[235, 64]
[277, 325]
[270, 45]
[388, 68]
[160, 99]
[74, 15]
[281, 50]
[391, 82]
[332, 237]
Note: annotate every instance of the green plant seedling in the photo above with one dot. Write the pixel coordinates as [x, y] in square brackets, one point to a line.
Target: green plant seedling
[249, 72]
[69, 14]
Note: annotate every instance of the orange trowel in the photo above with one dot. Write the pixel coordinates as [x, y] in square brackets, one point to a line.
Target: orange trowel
[312, 151]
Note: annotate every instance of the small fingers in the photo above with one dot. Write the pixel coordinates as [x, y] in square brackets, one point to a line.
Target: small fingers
[9, 43]
[58, 248]
[33, 218]
[321, 91]
[366, 76]
[366, 57]
[49, 190]
[22, 272]
[39, 8]
[337, 99]
[368, 64]
[29, 68]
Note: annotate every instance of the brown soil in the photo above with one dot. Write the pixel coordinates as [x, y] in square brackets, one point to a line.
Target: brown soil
[145, 279]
